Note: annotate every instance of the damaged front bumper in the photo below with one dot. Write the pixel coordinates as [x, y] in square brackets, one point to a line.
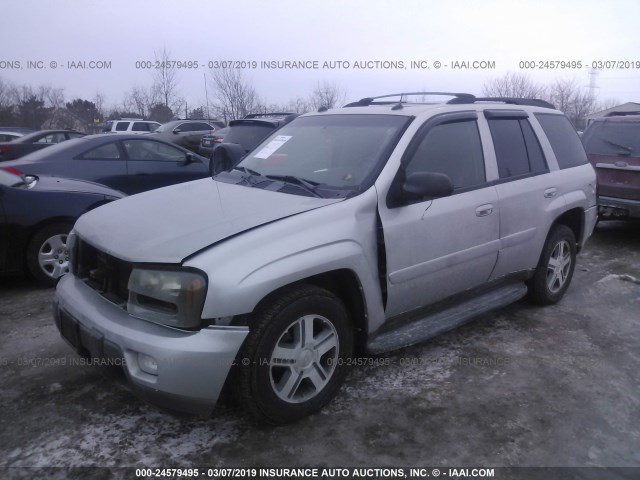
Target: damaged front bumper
[177, 369]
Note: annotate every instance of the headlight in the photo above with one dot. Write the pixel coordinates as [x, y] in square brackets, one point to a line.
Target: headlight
[168, 297]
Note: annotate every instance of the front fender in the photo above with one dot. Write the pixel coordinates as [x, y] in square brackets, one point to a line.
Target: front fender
[244, 269]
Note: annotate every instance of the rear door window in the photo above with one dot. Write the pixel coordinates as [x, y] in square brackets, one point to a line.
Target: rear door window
[122, 126]
[108, 151]
[150, 150]
[517, 149]
[140, 127]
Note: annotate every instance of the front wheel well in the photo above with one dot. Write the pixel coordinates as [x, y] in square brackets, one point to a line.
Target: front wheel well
[345, 285]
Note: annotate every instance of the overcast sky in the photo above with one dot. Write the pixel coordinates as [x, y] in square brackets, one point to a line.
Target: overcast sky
[503, 32]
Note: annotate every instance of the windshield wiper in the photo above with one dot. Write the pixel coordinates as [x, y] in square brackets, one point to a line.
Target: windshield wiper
[306, 185]
[248, 173]
[619, 145]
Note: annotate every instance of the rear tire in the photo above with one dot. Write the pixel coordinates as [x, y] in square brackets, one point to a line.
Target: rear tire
[294, 359]
[47, 253]
[555, 269]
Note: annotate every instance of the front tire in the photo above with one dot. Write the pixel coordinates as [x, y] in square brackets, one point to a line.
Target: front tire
[293, 361]
[47, 253]
[555, 269]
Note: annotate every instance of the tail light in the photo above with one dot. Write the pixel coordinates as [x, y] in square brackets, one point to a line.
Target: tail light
[217, 140]
[15, 171]
[4, 148]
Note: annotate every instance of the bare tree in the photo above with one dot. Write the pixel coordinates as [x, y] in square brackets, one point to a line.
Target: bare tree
[52, 96]
[562, 93]
[99, 102]
[511, 84]
[606, 104]
[6, 103]
[235, 96]
[165, 81]
[327, 94]
[574, 101]
[141, 100]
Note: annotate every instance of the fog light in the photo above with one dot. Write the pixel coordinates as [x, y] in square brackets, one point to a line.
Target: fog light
[148, 364]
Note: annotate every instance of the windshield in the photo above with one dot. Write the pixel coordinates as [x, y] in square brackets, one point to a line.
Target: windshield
[165, 127]
[613, 138]
[337, 151]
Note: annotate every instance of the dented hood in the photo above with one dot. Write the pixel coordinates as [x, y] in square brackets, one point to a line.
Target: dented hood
[169, 224]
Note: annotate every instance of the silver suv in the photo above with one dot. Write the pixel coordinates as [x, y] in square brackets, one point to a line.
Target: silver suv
[364, 228]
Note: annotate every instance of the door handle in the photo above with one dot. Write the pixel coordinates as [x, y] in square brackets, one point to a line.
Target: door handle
[550, 192]
[484, 210]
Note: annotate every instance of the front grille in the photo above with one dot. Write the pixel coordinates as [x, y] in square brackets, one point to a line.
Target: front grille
[107, 275]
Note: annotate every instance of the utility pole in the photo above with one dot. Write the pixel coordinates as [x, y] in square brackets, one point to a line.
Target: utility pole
[593, 73]
[206, 95]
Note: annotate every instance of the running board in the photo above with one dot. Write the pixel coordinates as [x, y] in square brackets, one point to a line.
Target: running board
[423, 328]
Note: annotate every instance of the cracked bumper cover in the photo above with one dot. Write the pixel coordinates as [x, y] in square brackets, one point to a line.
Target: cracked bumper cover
[192, 366]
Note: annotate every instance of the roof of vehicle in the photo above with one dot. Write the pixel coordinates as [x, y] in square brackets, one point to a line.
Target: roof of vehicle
[77, 145]
[175, 122]
[131, 120]
[42, 133]
[267, 119]
[17, 129]
[633, 117]
[458, 101]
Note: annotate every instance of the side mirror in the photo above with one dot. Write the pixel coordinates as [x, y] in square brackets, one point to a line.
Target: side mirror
[225, 156]
[426, 185]
[188, 158]
[177, 130]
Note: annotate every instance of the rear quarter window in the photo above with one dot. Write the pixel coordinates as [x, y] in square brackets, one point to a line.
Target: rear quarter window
[564, 140]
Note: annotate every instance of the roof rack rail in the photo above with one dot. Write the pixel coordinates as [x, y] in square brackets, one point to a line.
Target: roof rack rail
[532, 102]
[271, 114]
[364, 102]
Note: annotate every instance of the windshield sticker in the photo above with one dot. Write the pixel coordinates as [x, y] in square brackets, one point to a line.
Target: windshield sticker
[272, 146]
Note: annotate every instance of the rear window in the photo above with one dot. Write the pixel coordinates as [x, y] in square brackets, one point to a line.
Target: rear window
[613, 138]
[564, 140]
[248, 136]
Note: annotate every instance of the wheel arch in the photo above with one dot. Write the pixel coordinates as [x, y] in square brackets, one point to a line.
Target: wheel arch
[575, 221]
[345, 285]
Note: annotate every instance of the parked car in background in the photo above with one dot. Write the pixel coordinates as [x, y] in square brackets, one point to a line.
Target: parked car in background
[36, 215]
[129, 163]
[187, 133]
[246, 133]
[135, 126]
[210, 141]
[23, 130]
[35, 141]
[613, 147]
[9, 135]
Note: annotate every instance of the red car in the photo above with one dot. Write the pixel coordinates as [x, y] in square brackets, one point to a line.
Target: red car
[613, 147]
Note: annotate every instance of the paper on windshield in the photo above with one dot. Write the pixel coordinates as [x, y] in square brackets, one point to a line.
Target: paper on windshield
[272, 146]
